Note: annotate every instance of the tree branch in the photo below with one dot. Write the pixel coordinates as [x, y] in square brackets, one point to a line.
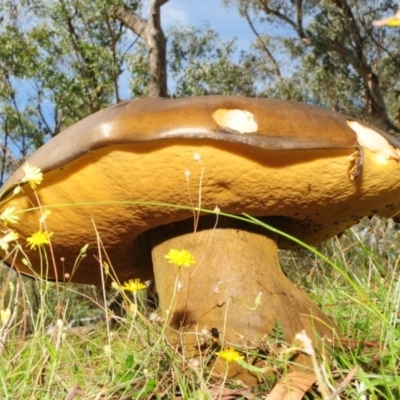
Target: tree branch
[276, 71]
[133, 22]
[276, 13]
[152, 34]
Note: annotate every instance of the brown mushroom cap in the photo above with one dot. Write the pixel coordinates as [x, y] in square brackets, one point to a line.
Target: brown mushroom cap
[268, 158]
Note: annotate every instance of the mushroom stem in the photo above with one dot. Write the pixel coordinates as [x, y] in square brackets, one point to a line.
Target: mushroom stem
[236, 264]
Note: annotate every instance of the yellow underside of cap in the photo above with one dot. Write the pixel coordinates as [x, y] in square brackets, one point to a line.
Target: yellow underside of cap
[102, 191]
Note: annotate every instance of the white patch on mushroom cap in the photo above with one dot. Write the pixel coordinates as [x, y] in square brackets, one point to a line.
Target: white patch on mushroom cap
[375, 142]
[106, 129]
[241, 121]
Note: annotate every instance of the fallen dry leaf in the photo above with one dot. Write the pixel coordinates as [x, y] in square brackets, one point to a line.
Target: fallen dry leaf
[293, 386]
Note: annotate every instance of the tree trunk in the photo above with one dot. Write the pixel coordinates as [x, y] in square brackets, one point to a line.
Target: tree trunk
[152, 34]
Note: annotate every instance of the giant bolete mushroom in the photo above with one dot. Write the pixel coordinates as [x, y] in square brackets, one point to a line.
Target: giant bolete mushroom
[309, 172]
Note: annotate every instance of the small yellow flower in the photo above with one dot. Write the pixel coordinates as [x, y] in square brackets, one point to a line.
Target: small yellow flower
[5, 315]
[7, 216]
[33, 175]
[133, 286]
[39, 239]
[181, 258]
[9, 237]
[229, 354]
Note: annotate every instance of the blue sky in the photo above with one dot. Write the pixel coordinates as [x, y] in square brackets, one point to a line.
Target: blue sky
[226, 21]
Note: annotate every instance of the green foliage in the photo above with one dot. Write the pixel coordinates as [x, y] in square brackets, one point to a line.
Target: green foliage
[199, 63]
[57, 69]
[202, 64]
[139, 72]
[328, 53]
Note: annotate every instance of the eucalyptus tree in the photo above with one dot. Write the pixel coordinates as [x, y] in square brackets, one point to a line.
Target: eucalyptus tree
[62, 65]
[336, 58]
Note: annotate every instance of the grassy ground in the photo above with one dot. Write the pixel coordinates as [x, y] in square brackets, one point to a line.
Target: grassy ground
[44, 356]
